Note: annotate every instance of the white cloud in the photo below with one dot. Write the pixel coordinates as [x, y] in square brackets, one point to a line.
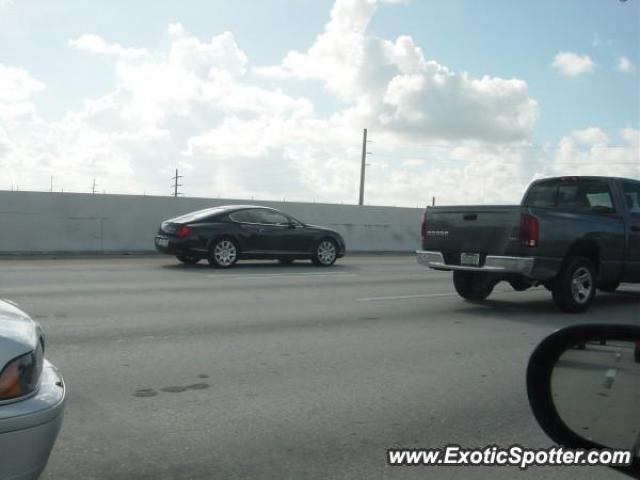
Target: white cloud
[590, 152]
[95, 44]
[17, 87]
[631, 136]
[391, 86]
[625, 65]
[220, 54]
[16, 84]
[193, 105]
[572, 64]
[589, 136]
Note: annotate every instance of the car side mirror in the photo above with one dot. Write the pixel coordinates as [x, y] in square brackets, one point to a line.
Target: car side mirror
[583, 384]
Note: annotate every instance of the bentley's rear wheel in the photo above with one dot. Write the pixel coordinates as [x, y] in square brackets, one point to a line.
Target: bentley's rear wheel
[188, 259]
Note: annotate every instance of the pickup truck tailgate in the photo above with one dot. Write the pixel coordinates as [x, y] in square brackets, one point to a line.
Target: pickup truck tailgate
[486, 229]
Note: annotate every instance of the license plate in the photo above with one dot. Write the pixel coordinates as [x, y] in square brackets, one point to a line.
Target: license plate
[162, 242]
[471, 259]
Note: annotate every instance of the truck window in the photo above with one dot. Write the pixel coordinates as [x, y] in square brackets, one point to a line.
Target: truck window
[632, 196]
[585, 196]
[542, 195]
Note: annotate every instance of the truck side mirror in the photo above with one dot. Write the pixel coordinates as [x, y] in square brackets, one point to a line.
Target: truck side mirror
[583, 384]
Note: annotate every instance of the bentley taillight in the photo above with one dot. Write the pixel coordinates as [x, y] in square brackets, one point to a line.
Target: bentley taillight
[183, 231]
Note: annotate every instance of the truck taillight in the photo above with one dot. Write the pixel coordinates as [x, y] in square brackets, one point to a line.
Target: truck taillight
[423, 227]
[183, 231]
[529, 230]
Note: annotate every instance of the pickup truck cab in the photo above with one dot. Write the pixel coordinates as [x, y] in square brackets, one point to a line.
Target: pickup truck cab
[571, 234]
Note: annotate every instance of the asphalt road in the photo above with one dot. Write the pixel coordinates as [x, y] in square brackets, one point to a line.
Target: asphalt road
[264, 371]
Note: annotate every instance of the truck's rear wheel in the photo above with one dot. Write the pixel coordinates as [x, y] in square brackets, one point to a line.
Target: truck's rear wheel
[473, 286]
[574, 288]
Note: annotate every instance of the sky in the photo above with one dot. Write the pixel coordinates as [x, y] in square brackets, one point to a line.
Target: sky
[464, 101]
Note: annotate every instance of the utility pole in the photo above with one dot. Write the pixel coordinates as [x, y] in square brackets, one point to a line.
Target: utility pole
[363, 166]
[176, 184]
[93, 187]
[51, 185]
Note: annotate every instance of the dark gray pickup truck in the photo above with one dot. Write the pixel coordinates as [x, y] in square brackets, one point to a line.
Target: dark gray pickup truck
[571, 234]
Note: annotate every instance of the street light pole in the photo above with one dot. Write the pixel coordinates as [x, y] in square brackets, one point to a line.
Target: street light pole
[363, 166]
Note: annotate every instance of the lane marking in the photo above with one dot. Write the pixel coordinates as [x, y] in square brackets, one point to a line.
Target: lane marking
[282, 275]
[406, 297]
[609, 377]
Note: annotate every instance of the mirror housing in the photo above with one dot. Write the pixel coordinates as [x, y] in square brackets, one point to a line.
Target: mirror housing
[540, 372]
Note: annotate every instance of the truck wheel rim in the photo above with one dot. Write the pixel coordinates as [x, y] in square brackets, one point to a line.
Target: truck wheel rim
[582, 285]
[225, 253]
[326, 252]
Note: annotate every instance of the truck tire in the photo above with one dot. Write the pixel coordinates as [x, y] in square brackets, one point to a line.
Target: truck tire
[473, 286]
[609, 287]
[574, 288]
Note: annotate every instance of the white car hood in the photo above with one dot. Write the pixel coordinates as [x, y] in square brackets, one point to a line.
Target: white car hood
[19, 334]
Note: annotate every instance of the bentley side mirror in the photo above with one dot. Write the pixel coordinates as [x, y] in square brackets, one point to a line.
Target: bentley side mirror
[583, 384]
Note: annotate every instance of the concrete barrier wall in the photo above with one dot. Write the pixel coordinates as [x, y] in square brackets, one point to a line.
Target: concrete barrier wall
[43, 222]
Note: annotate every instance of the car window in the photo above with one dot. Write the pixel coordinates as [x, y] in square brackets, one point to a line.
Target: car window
[632, 197]
[542, 195]
[270, 217]
[242, 216]
[585, 196]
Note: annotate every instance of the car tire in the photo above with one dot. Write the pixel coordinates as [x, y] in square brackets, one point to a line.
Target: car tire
[326, 253]
[473, 286]
[223, 253]
[188, 259]
[636, 354]
[609, 287]
[285, 261]
[574, 288]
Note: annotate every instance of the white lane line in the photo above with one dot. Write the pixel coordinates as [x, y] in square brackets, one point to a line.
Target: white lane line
[406, 297]
[282, 275]
[609, 377]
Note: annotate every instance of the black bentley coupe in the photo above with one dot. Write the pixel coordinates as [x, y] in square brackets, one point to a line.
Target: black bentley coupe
[223, 235]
